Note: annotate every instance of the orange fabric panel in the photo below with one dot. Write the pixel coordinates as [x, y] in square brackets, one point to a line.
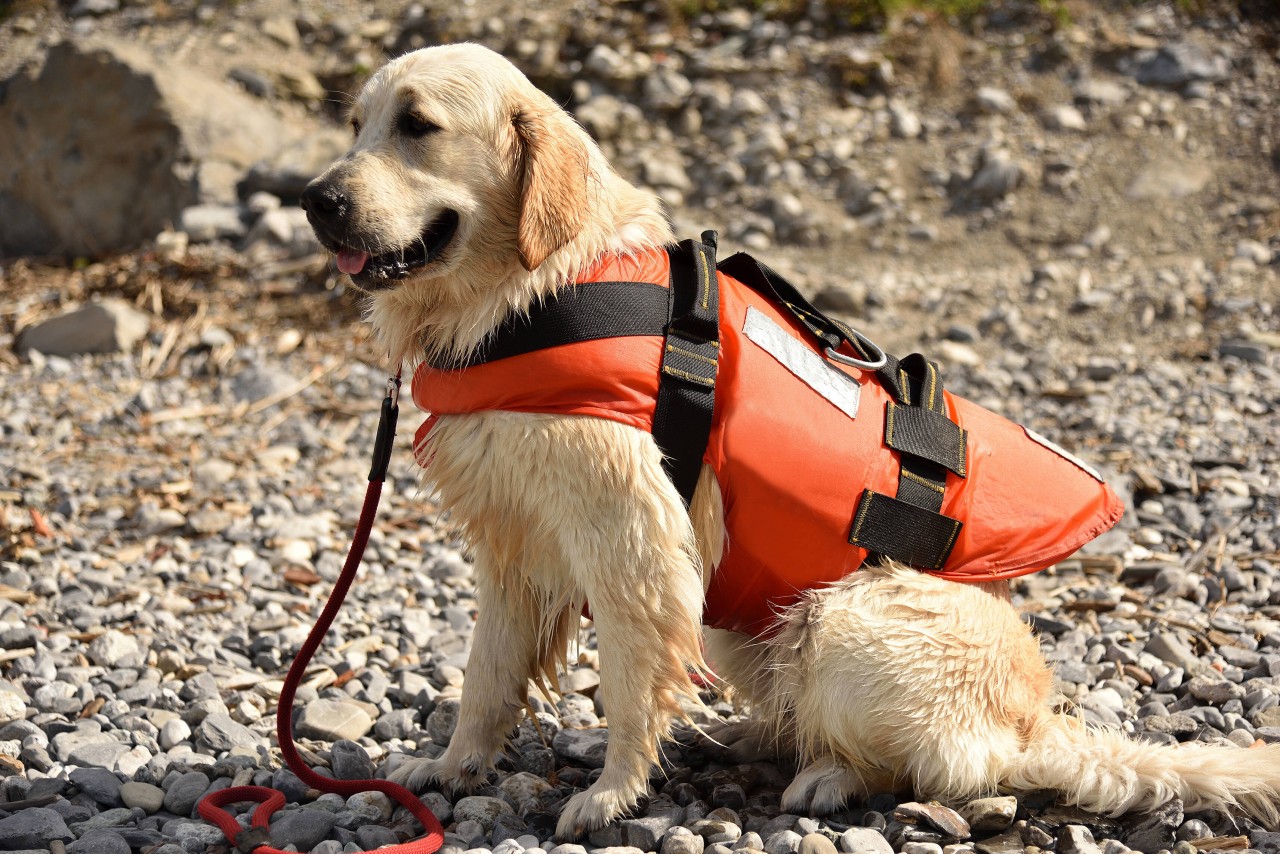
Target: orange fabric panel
[791, 465]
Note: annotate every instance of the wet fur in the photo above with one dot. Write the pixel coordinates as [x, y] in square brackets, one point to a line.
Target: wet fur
[889, 679]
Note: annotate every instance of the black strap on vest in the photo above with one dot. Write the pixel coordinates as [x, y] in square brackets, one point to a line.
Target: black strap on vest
[907, 527]
[585, 312]
[690, 359]
[765, 280]
[687, 315]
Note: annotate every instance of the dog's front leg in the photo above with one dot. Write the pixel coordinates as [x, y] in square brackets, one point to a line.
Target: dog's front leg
[502, 659]
[636, 723]
[646, 602]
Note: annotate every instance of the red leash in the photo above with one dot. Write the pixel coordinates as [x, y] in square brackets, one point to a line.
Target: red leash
[254, 839]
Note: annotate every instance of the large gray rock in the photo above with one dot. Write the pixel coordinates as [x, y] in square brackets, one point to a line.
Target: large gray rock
[110, 326]
[582, 746]
[32, 828]
[482, 810]
[302, 828]
[1177, 64]
[105, 144]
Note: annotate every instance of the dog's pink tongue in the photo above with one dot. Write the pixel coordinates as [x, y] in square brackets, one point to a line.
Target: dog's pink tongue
[351, 261]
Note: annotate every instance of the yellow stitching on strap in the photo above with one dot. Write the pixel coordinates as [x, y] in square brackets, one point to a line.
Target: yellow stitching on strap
[941, 490]
[704, 269]
[955, 532]
[933, 385]
[905, 383]
[797, 309]
[867, 497]
[685, 375]
[691, 354]
[888, 428]
[964, 453]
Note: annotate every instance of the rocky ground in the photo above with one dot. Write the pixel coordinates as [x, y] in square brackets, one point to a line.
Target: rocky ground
[1071, 206]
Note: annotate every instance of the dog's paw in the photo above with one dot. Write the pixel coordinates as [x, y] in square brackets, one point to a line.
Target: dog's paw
[822, 788]
[593, 809]
[418, 775]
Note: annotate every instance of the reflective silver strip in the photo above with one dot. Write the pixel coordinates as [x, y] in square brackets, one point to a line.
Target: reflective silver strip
[813, 370]
[1066, 455]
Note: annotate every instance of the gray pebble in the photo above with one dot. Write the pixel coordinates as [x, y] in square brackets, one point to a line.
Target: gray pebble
[144, 796]
[181, 795]
[858, 840]
[303, 828]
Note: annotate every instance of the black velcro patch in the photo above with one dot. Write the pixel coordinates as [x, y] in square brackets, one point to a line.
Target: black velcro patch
[903, 532]
[924, 433]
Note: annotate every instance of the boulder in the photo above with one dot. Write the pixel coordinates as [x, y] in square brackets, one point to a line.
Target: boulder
[105, 144]
[110, 326]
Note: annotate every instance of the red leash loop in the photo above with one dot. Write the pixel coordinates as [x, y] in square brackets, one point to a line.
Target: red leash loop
[254, 839]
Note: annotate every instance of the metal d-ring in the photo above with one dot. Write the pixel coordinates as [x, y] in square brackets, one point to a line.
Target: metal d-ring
[874, 365]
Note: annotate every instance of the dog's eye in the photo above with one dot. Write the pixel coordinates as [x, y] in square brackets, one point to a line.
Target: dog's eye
[416, 126]
[355, 127]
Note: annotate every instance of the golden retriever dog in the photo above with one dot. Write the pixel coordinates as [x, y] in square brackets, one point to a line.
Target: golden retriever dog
[467, 196]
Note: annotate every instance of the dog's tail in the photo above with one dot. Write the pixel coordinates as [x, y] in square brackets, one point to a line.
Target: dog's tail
[1105, 771]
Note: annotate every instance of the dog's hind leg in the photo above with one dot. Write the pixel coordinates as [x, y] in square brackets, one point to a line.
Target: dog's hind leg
[824, 786]
[741, 666]
[908, 681]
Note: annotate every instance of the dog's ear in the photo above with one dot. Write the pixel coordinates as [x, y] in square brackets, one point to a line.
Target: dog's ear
[553, 184]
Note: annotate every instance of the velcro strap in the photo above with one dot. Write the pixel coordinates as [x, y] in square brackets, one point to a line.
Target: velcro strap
[584, 312]
[695, 297]
[922, 483]
[690, 359]
[903, 532]
[686, 400]
[925, 433]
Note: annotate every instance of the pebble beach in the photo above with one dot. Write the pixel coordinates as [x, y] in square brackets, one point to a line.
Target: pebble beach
[176, 500]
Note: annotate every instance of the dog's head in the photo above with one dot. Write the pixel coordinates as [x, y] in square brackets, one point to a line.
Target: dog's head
[458, 163]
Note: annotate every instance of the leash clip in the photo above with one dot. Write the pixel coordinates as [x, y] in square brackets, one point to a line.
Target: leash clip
[393, 389]
[386, 430]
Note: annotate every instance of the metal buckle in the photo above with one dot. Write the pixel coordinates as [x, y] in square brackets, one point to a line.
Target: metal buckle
[393, 388]
[873, 365]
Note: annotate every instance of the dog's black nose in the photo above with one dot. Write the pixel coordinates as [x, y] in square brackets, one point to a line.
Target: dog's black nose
[324, 201]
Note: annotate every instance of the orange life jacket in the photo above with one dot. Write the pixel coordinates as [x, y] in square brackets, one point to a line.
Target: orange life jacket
[798, 445]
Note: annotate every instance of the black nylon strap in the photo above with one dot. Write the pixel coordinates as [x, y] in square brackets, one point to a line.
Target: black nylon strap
[903, 531]
[690, 359]
[927, 434]
[765, 280]
[584, 312]
[910, 528]
[921, 483]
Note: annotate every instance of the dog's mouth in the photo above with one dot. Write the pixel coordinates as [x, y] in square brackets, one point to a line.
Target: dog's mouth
[375, 272]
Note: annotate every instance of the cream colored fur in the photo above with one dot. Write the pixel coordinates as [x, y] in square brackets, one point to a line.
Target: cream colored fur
[889, 679]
